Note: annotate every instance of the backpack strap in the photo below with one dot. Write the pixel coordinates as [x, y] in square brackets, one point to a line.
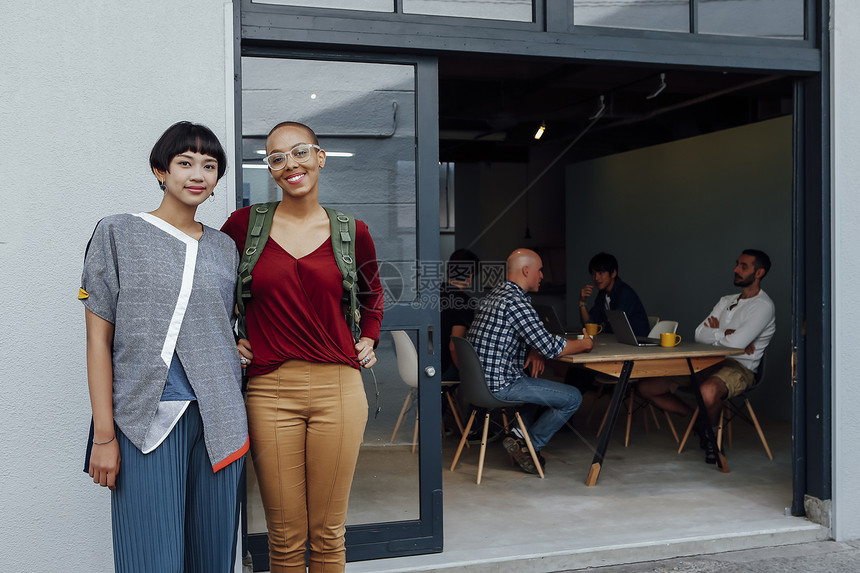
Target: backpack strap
[259, 227]
[343, 245]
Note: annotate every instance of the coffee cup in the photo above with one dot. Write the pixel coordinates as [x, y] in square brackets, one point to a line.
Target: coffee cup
[593, 329]
[669, 339]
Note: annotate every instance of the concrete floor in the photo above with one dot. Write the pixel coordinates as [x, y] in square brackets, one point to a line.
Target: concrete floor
[650, 503]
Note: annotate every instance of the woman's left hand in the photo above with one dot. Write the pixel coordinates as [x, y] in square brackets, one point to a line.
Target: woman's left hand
[364, 351]
[245, 354]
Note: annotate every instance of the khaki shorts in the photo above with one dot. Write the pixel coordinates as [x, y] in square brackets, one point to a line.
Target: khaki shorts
[734, 375]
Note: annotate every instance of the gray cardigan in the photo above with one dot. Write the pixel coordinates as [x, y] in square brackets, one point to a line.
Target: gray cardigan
[164, 291]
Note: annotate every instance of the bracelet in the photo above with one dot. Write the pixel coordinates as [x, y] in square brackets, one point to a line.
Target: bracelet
[103, 443]
[582, 304]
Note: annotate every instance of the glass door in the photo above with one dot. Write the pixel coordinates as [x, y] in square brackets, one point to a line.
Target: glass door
[376, 119]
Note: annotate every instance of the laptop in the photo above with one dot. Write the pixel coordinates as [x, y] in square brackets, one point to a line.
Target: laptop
[549, 318]
[624, 332]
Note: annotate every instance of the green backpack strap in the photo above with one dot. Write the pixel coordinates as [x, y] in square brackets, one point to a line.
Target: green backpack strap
[343, 245]
[259, 227]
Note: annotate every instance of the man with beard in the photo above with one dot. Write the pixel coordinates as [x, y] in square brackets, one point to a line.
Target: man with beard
[746, 320]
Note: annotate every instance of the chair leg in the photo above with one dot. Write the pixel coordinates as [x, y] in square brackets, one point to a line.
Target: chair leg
[641, 406]
[758, 429]
[454, 414]
[654, 415]
[415, 434]
[671, 426]
[629, 419]
[528, 444]
[593, 407]
[463, 440]
[403, 410]
[720, 429]
[603, 421]
[483, 447]
[689, 429]
[729, 418]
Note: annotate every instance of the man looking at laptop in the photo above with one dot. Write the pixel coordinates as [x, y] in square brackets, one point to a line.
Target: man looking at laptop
[746, 320]
[613, 294]
[509, 338]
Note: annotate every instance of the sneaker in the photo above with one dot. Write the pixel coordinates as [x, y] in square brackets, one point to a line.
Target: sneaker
[520, 452]
[710, 453]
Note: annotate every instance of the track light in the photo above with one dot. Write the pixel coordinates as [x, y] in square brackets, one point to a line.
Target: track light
[659, 89]
[540, 130]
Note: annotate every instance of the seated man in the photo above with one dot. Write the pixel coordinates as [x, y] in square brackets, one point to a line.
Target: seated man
[613, 294]
[508, 336]
[746, 320]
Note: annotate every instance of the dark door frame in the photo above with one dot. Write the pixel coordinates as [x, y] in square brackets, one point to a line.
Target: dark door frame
[551, 36]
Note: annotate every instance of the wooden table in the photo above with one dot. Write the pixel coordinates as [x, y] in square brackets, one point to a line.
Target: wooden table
[625, 362]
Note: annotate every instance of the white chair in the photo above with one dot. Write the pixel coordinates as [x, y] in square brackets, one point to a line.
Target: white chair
[659, 328]
[407, 367]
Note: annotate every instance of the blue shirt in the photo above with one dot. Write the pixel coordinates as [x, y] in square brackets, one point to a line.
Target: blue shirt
[505, 327]
[178, 386]
[622, 297]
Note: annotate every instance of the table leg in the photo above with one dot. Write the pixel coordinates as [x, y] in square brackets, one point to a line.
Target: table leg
[722, 463]
[614, 408]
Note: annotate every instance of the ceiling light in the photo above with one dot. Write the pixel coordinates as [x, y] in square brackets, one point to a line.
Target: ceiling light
[253, 166]
[339, 154]
[540, 130]
[260, 152]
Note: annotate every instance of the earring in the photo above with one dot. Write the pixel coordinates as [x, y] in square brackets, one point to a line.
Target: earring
[162, 186]
[212, 197]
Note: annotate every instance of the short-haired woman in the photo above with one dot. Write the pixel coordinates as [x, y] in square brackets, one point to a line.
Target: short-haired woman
[169, 425]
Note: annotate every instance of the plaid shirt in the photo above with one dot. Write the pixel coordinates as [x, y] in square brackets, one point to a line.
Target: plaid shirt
[505, 327]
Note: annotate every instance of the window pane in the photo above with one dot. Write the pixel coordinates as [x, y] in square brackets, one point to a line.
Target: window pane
[512, 10]
[762, 18]
[367, 5]
[664, 15]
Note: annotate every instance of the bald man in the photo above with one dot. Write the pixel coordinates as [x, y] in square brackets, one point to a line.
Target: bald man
[510, 339]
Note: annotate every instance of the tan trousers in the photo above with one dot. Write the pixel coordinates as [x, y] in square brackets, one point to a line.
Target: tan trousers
[306, 422]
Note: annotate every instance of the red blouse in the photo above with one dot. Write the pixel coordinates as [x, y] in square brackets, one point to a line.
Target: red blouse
[295, 307]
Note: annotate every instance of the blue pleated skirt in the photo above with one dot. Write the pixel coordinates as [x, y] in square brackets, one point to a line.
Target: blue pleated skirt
[170, 512]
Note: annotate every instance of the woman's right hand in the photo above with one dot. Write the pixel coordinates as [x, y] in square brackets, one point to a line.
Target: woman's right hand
[104, 464]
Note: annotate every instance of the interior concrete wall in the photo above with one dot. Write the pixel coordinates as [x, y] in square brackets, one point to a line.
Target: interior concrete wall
[678, 215]
[84, 94]
[845, 139]
[494, 210]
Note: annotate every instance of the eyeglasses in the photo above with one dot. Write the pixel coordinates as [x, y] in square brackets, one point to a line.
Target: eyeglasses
[300, 154]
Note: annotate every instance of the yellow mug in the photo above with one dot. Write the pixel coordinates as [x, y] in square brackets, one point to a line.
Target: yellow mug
[593, 329]
[669, 339]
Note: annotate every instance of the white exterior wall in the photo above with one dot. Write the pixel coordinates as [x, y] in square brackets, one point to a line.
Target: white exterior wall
[845, 124]
[86, 88]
